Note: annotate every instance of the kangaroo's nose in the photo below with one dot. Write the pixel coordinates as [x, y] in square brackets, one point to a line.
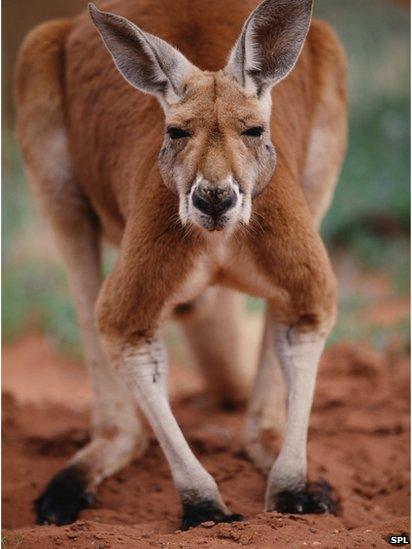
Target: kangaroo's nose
[212, 201]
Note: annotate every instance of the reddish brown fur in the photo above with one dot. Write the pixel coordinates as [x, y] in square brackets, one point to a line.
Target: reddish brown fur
[91, 146]
[115, 134]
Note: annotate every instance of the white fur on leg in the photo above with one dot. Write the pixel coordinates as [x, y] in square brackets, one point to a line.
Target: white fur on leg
[145, 370]
[298, 354]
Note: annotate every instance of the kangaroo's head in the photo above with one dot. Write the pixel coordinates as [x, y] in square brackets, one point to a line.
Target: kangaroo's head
[216, 153]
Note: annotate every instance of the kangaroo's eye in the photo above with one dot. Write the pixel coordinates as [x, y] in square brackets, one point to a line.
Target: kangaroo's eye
[177, 133]
[256, 131]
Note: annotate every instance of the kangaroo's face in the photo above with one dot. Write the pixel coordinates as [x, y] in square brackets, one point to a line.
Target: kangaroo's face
[216, 153]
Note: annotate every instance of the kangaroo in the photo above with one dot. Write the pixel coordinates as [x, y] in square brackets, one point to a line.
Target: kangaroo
[212, 183]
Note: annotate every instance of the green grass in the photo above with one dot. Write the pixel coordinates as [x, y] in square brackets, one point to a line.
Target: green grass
[35, 297]
[374, 185]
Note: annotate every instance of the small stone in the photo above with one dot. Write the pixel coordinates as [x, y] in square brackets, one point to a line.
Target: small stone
[313, 530]
[208, 524]
[245, 539]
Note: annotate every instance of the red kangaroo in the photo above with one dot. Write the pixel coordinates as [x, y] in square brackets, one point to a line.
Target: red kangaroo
[211, 181]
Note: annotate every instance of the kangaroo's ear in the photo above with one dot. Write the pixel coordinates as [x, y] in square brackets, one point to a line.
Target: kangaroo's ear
[145, 61]
[270, 43]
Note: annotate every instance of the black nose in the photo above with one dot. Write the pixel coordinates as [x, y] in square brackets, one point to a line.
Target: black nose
[214, 202]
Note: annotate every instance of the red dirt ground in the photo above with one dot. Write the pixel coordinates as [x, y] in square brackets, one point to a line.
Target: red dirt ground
[358, 441]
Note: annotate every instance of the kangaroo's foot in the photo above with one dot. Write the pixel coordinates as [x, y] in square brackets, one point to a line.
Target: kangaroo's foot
[194, 513]
[314, 497]
[74, 487]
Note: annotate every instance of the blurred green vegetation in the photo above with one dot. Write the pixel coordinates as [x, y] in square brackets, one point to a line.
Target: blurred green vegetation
[374, 185]
[370, 216]
[369, 219]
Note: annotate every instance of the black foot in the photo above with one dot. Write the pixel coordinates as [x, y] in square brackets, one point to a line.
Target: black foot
[205, 511]
[63, 498]
[316, 497]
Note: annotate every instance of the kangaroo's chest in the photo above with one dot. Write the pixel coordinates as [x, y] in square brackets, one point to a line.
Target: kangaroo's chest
[224, 264]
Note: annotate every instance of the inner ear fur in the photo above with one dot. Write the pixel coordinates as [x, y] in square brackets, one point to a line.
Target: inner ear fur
[270, 43]
[147, 62]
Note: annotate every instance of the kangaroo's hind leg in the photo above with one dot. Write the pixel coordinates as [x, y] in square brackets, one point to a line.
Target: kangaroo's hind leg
[117, 433]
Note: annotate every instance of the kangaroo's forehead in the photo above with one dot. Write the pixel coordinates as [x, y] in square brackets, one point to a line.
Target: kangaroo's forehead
[212, 98]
